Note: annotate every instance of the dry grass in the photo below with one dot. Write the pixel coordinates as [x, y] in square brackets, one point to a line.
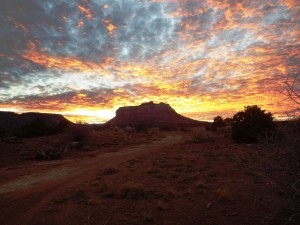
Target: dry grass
[201, 136]
[78, 132]
[109, 170]
[223, 194]
[79, 196]
[132, 190]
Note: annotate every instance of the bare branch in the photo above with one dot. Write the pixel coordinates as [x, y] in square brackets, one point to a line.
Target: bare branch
[292, 87]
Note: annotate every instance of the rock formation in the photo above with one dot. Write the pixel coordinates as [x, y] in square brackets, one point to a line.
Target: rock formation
[10, 119]
[150, 114]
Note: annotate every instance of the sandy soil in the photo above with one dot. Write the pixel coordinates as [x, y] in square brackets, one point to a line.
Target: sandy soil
[166, 181]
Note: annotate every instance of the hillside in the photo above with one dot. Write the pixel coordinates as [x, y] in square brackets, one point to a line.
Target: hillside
[11, 119]
[150, 114]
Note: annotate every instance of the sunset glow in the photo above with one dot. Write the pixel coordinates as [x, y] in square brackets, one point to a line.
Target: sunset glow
[86, 58]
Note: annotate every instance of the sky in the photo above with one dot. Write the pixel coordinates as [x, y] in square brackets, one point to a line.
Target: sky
[86, 58]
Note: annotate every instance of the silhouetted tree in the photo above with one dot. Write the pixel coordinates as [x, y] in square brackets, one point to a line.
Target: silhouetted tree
[251, 124]
[292, 87]
[78, 132]
[228, 121]
[218, 122]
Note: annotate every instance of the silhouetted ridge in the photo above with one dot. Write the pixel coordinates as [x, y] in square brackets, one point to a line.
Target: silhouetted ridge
[10, 119]
[150, 114]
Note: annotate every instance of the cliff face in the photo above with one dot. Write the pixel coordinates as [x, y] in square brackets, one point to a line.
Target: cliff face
[150, 114]
[10, 119]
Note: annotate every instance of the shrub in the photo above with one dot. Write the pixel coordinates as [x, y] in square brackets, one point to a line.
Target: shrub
[109, 170]
[251, 124]
[142, 127]
[2, 132]
[213, 127]
[134, 191]
[49, 153]
[167, 127]
[184, 129]
[228, 121]
[287, 141]
[78, 132]
[80, 196]
[201, 136]
[218, 122]
[106, 189]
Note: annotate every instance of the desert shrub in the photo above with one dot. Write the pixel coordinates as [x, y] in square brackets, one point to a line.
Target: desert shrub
[208, 127]
[218, 122]
[109, 170]
[213, 127]
[184, 129]
[2, 132]
[142, 127]
[166, 127]
[79, 196]
[106, 190]
[101, 127]
[287, 140]
[134, 191]
[201, 136]
[49, 153]
[251, 124]
[228, 121]
[285, 151]
[78, 132]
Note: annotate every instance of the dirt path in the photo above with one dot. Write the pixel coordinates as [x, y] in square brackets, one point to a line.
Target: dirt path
[22, 198]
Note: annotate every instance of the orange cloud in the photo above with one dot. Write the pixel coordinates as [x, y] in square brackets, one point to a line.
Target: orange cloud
[80, 24]
[18, 24]
[86, 11]
[109, 26]
[221, 56]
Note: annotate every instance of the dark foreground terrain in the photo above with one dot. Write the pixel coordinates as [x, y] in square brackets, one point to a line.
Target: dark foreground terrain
[123, 177]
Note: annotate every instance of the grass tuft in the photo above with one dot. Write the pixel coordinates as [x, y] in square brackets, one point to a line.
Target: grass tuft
[134, 191]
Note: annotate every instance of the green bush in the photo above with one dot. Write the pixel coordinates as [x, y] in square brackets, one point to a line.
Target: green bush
[251, 124]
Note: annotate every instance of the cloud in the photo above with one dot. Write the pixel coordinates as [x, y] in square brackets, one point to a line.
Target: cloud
[219, 55]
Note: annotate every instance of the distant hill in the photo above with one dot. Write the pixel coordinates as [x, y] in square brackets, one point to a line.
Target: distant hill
[13, 120]
[151, 114]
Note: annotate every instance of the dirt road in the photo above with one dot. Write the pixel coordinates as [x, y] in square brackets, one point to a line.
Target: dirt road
[23, 197]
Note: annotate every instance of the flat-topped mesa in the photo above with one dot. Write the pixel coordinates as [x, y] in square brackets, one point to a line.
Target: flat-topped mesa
[150, 114]
[145, 108]
[10, 119]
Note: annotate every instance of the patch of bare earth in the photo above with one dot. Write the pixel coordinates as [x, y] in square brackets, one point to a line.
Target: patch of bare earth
[166, 181]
